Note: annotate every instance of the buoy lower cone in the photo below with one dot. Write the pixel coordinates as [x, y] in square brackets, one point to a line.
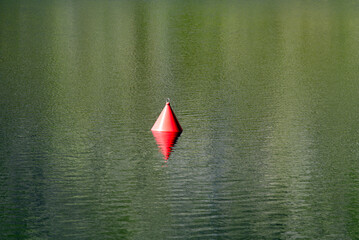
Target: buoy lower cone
[166, 141]
[167, 121]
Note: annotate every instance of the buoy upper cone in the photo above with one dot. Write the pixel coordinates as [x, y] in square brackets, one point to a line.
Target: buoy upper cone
[167, 121]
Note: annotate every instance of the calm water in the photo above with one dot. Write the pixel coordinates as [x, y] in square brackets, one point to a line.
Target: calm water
[267, 93]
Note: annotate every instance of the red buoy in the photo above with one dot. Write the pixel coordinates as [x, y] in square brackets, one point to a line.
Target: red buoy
[166, 130]
[167, 121]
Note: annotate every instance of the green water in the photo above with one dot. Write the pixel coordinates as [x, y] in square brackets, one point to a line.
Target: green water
[267, 93]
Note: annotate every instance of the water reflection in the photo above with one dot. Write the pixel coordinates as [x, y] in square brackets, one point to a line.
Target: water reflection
[166, 142]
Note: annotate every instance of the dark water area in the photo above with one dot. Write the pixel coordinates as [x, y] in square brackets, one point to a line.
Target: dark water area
[267, 94]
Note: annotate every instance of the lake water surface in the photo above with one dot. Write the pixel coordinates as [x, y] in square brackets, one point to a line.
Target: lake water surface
[267, 93]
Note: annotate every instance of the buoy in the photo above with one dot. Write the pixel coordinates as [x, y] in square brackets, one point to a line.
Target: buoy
[167, 121]
[166, 130]
[165, 142]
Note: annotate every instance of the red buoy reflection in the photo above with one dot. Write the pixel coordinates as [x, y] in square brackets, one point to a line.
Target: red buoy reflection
[166, 141]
